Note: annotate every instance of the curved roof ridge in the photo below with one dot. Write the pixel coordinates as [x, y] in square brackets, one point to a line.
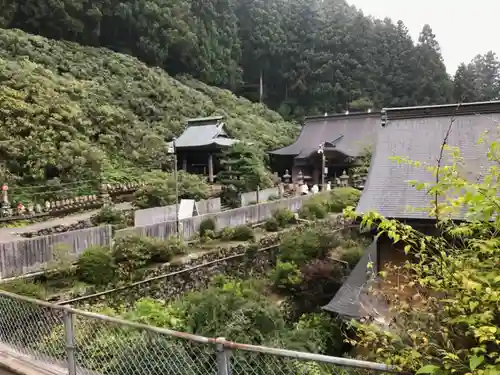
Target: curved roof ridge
[318, 130]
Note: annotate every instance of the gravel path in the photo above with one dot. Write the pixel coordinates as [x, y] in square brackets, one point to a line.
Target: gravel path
[9, 234]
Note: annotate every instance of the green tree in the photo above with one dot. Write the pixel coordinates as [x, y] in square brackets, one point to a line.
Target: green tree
[243, 170]
[435, 84]
[479, 80]
[159, 189]
[466, 85]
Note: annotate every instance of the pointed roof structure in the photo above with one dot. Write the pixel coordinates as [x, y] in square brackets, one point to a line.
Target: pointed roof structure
[205, 132]
[417, 133]
[349, 134]
[352, 299]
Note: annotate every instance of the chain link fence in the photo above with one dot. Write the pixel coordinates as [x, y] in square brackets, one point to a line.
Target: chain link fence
[70, 341]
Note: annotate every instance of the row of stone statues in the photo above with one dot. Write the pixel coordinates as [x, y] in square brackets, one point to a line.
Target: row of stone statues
[13, 209]
[356, 181]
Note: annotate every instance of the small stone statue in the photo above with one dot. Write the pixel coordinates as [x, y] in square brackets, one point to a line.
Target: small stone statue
[20, 209]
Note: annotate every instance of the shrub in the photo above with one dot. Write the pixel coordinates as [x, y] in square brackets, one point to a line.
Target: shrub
[284, 217]
[109, 215]
[95, 266]
[133, 252]
[271, 225]
[130, 252]
[341, 198]
[177, 246]
[321, 279]
[286, 276]
[300, 246]
[273, 198]
[227, 234]
[313, 210]
[25, 287]
[160, 189]
[208, 236]
[207, 224]
[243, 233]
[159, 251]
[352, 255]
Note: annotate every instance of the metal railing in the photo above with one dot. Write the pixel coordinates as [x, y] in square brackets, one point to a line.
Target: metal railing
[70, 341]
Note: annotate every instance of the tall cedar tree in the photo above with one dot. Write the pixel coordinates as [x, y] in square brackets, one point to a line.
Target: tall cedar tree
[479, 80]
[243, 170]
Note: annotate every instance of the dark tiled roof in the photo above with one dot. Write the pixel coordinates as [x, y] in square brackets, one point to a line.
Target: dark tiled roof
[350, 134]
[418, 133]
[204, 132]
[205, 120]
[351, 298]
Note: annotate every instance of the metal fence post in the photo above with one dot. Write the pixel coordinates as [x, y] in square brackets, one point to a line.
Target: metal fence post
[70, 341]
[223, 363]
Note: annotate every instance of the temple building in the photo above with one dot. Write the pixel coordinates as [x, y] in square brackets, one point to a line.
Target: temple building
[199, 147]
[339, 138]
[417, 133]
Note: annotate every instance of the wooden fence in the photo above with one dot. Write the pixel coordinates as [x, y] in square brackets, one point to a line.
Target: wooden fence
[260, 196]
[31, 255]
[156, 215]
[26, 256]
[232, 218]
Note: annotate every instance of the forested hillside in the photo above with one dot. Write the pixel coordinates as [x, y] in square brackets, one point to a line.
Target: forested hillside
[312, 55]
[80, 113]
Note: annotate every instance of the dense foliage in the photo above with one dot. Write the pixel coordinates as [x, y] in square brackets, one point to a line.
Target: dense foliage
[479, 80]
[311, 56]
[160, 189]
[86, 113]
[443, 305]
[243, 311]
[336, 200]
[242, 169]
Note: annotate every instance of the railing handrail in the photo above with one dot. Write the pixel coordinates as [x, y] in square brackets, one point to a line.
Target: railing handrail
[206, 340]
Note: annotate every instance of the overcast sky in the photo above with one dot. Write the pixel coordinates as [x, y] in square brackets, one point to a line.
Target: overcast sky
[463, 28]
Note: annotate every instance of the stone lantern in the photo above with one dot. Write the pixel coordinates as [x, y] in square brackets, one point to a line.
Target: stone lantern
[344, 179]
[286, 177]
[300, 178]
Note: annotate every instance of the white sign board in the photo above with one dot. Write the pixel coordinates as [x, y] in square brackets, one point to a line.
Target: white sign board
[187, 208]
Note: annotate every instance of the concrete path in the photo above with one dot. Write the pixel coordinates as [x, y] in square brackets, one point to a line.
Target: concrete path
[12, 234]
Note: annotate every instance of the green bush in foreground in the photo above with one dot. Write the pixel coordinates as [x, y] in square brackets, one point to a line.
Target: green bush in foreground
[271, 225]
[25, 287]
[207, 224]
[109, 215]
[335, 201]
[340, 198]
[284, 217]
[243, 233]
[286, 276]
[135, 252]
[96, 266]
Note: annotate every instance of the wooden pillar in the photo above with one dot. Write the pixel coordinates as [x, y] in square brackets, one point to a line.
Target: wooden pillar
[184, 163]
[210, 168]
